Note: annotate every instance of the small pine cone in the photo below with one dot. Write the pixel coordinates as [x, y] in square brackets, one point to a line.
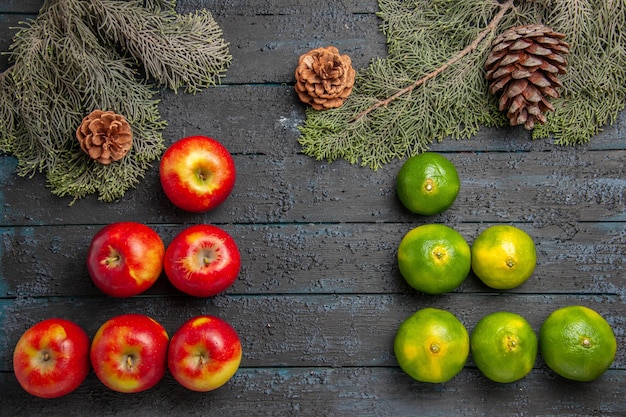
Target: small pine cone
[105, 136]
[523, 67]
[324, 79]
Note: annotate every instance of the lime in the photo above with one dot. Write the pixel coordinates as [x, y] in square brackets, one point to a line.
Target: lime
[504, 346]
[503, 257]
[427, 183]
[434, 258]
[431, 345]
[577, 343]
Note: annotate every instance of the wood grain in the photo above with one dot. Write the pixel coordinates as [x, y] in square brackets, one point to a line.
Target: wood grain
[334, 330]
[350, 258]
[366, 392]
[543, 188]
[319, 296]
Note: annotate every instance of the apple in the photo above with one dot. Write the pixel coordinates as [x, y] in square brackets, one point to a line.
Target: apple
[51, 358]
[125, 258]
[129, 353]
[197, 173]
[204, 353]
[202, 260]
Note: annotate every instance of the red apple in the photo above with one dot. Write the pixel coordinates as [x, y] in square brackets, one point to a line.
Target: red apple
[51, 359]
[202, 260]
[125, 258]
[204, 353]
[197, 173]
[129, 353]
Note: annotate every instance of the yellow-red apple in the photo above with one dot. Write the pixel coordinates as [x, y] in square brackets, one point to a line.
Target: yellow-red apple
[202, 260]
[197, 173]
[51, 358]
[129, 353]
[125, 258]
[204, 353]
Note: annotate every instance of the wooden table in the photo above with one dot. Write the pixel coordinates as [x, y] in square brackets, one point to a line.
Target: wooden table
[320, 297]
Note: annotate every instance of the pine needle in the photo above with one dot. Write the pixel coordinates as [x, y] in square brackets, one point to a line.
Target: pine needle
[177, 50]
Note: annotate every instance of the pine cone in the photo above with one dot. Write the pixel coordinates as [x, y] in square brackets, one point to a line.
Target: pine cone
[324, 79]
[523, 66]
[105, 136]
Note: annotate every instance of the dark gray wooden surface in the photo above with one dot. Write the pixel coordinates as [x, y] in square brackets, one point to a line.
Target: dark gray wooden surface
[319, 297]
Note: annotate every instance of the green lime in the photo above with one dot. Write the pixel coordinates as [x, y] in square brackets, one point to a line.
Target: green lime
[431, 345]
[434, 258]
[577, 343]
[504, 346]
[503, 257]
[427, 183]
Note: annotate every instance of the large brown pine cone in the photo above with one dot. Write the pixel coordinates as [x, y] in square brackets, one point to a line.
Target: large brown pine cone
[523, 67]
[324, 78]
[105, 136]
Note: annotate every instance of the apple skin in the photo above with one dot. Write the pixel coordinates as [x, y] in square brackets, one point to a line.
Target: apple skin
[204, 354]
[202, 260]
[125, 258]
[129, 353]
[197, 173]
[51, 358]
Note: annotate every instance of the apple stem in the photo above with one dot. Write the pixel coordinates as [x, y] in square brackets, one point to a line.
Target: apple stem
[112, 260]
[129, 362]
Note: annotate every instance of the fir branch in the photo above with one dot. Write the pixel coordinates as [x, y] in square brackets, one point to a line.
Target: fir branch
[454, 102]
[467, 50]
[63, 68]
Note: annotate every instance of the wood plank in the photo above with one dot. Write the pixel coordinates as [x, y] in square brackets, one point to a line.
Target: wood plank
[348, 258]
[312, 8]
[226, 7]
[542, 188]
[20, 6]
[248, 119]
[264, 44]
[266, 48]
[362, 392]
[265, 118]
[303, 330]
